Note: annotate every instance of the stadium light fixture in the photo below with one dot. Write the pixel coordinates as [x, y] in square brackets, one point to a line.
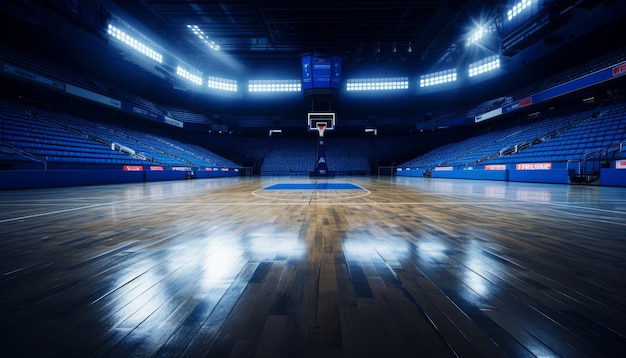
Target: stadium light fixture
[476, 35]
[135, 44]
[195, 79]
[518, 8]
[274, 86]
[377, 84]
[485, 65]
[222, 84]
[480, 32]
[437, 78]
[203, 37]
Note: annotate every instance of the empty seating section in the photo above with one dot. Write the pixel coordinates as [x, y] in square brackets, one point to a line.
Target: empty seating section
[193, 154]
[289, 156]
[613, 58]
[559, 139]
[39, 136]
[348, 155]
[587, 136]
[185, 116]
[139, 102]
[30, 136]
[155, 149]
[516, 139]
[446, 153]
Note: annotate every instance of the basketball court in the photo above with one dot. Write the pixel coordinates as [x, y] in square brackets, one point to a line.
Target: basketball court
[300, 266]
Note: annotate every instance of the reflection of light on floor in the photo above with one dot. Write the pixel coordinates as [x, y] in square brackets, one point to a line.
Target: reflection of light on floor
[368, 250]
[477, 269]
[533, 195]
[357, 250]
[473, 278]
[497, 192]
[442, 185]
[137, 310]
[218, 264]
[133, 309]
[269, 245]
[431, 250]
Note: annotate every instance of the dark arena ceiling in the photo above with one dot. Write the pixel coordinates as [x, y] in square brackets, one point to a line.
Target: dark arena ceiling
[265, 39]
[358, 30]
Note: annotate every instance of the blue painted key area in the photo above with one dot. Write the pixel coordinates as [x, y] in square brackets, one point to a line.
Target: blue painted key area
[313, 186]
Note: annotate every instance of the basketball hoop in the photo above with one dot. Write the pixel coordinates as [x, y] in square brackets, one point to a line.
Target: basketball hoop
[321, 122]
[320, 128]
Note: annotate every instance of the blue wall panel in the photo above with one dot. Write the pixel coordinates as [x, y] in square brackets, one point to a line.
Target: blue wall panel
[554, 176]
[158, 175]
[613, 177]
[472, 174]
[21, 179]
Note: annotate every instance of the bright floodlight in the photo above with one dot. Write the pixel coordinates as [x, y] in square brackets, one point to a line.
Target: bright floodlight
[134, 43]
[377, 84]
[437, 78]
[517, 9]
[274, 86]
[204, 38]
[195, 79]
[476, 35]
[480, 32]
[485, 65]
[222, 84]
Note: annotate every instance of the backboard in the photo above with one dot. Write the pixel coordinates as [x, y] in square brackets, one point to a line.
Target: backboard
[321, 122]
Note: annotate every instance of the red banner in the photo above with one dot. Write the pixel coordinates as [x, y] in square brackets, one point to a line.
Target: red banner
[495, 167]
[533, 166]
[526, 102]
[618, 70]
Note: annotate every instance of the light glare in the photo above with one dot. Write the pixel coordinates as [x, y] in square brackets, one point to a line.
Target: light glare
[195, 79]
[377, 84]
[222, 84]
[437, 78]
[204, 38]
[488, 64]
[517, 9]
[134, 43]
[274, 86]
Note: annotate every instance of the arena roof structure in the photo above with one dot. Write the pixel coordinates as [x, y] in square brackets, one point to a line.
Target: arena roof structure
[399, 59]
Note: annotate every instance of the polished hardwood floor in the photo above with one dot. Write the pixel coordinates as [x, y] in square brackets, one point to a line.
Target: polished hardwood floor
[397, 267]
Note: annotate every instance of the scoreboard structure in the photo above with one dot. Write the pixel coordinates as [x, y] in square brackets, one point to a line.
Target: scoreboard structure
[321, 73]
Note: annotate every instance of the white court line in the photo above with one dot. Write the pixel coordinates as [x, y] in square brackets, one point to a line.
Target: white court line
[282, 201]
[50, 213]
[288, 201]
[24, 217]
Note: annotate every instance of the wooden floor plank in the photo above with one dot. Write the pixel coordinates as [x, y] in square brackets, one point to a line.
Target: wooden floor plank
[405, 267]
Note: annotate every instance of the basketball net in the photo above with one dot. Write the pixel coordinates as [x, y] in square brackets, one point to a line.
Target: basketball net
[320, 129]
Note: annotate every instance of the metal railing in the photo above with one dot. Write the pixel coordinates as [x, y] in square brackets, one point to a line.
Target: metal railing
[12, 150]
